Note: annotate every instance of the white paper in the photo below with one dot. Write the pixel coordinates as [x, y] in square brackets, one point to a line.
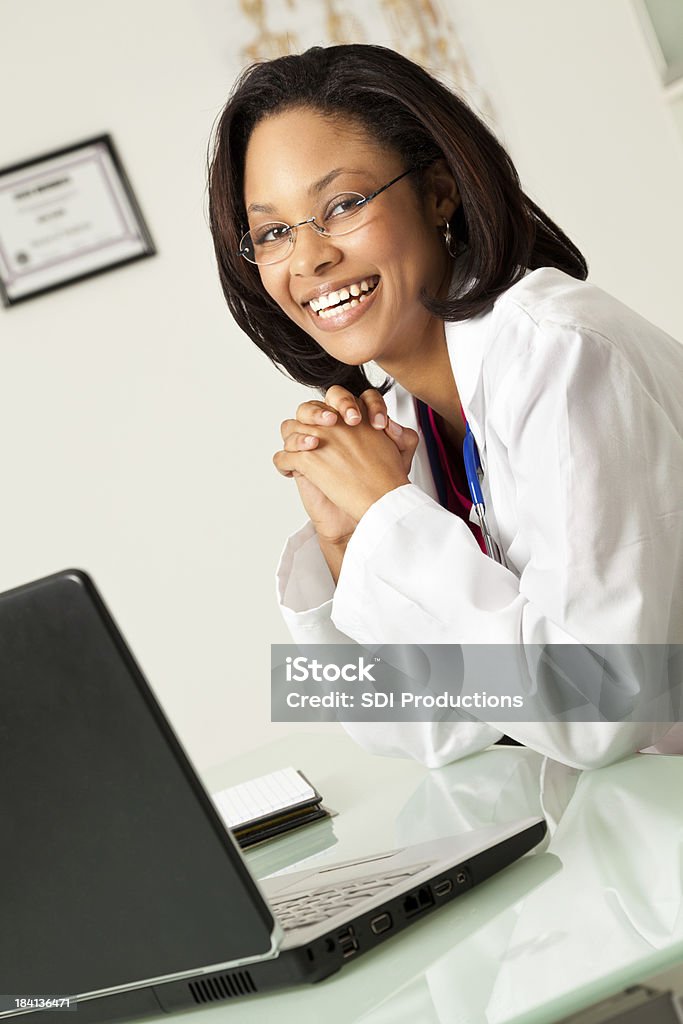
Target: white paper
[268, 794]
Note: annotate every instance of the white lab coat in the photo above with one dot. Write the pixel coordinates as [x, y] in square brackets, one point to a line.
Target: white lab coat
[576, 405]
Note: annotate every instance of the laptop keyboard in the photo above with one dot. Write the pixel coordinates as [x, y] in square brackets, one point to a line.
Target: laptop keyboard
[313, 907]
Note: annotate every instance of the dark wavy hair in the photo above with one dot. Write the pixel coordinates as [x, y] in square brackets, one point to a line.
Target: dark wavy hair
[407, 110]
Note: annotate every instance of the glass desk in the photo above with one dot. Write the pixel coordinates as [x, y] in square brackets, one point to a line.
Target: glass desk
[595, 909]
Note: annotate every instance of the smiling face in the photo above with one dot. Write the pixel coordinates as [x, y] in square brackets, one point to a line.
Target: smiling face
[356, 294]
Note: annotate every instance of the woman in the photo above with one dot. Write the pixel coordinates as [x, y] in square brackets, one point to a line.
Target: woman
[361, 213]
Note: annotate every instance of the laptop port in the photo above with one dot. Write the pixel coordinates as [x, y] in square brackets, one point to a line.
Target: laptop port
[380, 924]
[348, 942]
[461, 877]
[443, 888]
[418, 901]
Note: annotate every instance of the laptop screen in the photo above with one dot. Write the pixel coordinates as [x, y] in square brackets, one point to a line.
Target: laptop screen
[114, 865]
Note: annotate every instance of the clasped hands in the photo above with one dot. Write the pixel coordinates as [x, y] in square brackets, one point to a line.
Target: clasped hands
[344, 453]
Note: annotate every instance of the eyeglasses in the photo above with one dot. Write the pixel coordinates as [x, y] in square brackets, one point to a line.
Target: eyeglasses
[274, 241]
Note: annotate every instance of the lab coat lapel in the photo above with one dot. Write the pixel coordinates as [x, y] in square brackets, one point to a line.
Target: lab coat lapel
[465, 346]
[401, 407]
[465, 341]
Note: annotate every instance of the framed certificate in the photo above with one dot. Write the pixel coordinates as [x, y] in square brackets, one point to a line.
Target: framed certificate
[66, 216]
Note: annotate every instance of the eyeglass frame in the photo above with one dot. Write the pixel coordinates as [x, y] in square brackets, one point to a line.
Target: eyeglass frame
[291, 228]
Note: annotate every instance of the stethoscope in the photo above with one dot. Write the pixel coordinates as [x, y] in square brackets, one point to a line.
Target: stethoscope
[474, 474]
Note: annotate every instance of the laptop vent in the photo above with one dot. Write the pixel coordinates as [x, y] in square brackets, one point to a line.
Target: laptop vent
[222, 986]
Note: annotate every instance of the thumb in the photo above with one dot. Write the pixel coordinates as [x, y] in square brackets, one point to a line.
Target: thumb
[405, 439]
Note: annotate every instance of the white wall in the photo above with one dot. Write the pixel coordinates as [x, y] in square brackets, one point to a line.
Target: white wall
[581, 111]
[138, 425]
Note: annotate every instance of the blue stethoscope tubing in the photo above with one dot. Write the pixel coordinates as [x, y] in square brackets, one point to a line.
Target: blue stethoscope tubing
[474, 474]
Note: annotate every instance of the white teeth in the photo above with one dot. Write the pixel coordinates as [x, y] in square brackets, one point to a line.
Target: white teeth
[325, 314]
[356, 292]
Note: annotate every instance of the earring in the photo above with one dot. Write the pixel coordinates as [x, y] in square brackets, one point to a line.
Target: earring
[451, 245]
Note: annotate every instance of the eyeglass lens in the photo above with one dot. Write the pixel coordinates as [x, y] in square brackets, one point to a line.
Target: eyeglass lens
[271, 241]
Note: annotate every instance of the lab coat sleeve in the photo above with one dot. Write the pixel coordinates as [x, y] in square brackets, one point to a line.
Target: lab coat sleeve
[305, 593]
[604, 558]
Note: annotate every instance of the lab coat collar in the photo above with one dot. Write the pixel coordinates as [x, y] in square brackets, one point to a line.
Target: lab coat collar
[467, 342]
[401, 406]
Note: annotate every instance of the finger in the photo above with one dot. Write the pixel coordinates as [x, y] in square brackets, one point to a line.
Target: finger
[289, 427]
[300, 442]
[377, 410]
[289, 463]
[344, 402]
[316, 412]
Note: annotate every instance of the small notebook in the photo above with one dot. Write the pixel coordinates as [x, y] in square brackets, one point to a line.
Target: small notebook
[269, 806]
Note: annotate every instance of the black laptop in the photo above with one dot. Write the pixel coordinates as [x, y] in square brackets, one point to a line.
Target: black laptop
[120, 886]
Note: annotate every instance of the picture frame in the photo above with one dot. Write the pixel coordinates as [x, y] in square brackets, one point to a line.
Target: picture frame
[66, 216]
